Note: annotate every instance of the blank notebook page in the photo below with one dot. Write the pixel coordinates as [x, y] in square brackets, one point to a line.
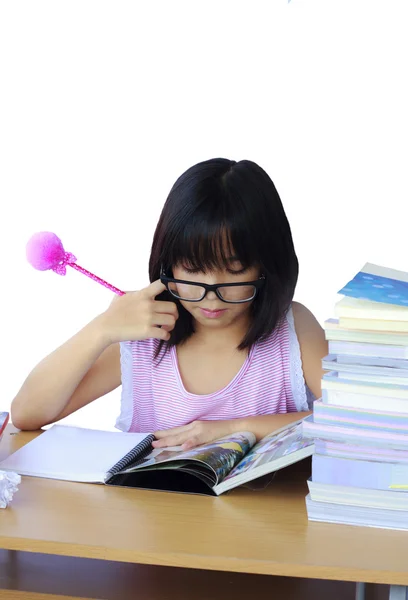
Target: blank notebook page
[72, 453]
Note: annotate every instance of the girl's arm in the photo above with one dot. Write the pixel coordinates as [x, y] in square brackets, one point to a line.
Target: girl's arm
[86, 367]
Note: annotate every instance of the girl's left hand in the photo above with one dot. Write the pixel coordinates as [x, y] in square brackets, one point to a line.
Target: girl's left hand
[194, 434]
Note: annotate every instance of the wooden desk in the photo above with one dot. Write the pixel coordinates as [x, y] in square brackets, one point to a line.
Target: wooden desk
[263, 533]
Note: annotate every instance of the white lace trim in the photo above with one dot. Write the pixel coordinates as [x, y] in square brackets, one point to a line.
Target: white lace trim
[302, 396]
[124, 420]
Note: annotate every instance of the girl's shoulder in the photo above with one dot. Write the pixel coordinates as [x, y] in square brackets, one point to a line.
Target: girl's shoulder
[300, 311]
[306, 324]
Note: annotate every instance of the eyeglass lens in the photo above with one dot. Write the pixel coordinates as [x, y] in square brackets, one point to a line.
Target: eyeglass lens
[236, 293]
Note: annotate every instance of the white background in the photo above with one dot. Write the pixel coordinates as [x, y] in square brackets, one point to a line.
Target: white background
[104, 104]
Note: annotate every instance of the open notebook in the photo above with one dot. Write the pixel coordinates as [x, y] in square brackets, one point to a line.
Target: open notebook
[128, 459]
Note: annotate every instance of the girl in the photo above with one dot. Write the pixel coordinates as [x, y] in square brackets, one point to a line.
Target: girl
[217, 345]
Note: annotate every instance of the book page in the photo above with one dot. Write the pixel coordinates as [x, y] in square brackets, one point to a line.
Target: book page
[273, 452]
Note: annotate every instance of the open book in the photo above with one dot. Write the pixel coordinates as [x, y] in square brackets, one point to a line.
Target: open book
[128, 459]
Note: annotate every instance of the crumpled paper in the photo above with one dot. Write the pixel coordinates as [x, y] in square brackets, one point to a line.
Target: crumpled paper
[8, 487]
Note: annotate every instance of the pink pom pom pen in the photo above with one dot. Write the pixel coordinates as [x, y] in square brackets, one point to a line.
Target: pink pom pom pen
[45, 252]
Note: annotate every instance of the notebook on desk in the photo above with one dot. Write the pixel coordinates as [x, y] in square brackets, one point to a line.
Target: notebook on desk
[129, 460]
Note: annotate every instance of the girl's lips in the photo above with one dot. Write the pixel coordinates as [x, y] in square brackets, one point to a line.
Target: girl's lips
[212, 314]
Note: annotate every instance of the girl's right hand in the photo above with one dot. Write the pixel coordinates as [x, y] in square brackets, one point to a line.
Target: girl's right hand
[138, 316]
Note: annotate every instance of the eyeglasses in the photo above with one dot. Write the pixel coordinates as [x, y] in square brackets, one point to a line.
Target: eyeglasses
[233, 293]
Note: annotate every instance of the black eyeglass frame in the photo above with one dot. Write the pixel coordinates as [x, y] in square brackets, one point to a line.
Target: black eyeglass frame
[212, 288]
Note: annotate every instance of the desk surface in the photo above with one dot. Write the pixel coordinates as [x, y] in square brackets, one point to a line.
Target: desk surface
[264, 532]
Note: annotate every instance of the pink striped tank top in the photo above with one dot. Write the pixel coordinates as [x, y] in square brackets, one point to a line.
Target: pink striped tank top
[270, 381]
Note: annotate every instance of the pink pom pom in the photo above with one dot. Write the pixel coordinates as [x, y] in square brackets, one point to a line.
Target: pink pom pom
[45, 251]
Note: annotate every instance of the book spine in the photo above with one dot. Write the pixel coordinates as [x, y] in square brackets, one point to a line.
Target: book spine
[373, 361]
[366, 349]
[375, 379]
[356, 387]
[359, 418]
[366, 337]
[374, 325]
[357, 308]
[352, 435]
[355, 473]
[356, 515]
[354, 368]
[364, 401]
[359, 452]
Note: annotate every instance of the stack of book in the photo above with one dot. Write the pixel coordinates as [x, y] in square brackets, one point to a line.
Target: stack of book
[360, 425]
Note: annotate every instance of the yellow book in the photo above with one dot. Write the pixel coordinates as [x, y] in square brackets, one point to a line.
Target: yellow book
[374, 325]
[335, 333]
[356, 308]
[330, 382]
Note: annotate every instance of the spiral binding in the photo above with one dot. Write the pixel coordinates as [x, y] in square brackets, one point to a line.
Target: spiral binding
[140, 450]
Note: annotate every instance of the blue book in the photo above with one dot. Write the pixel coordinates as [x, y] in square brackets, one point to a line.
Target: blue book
[378, 284]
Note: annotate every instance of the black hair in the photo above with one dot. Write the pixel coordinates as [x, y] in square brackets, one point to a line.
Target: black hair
[215, 207]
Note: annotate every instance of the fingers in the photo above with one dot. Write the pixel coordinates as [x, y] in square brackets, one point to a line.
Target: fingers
[161, 319]
[192, 442]
[172, 437]
[161, 306]
[148, 317]
[174, 431]
[154, 289]
[158, 333]
[185, 440]
[170, 440]
[163, 324]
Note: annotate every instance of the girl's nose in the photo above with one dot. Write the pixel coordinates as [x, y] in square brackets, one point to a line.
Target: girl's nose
[212, 278]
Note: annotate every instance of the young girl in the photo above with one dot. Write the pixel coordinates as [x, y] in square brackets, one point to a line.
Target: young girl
[217, 345]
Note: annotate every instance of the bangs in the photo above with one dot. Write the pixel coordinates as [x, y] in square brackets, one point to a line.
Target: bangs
[210, 245]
